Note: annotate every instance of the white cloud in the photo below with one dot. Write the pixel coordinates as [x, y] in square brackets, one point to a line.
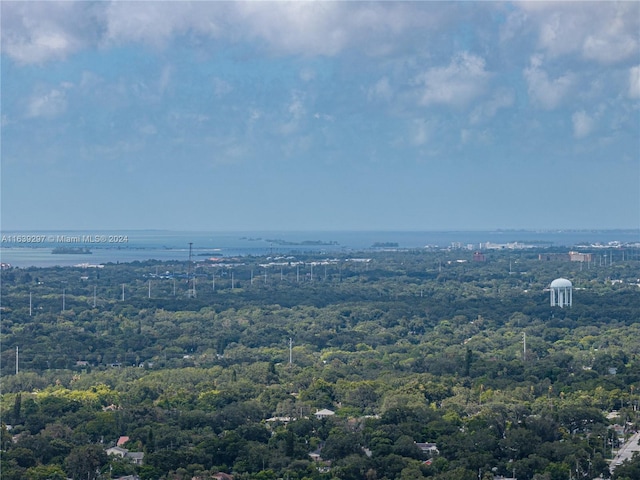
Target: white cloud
[309, 28]
[255, 115]
[296, 107]
[559, 33]
[48, 104]
[35, 32]
[465, 136]
[307, 74]
[501, 99]
[583, 124]
[468, 136]
[634, 82]
[155, 23]
[605, 32]
[421, 131]
[323, 116]
[295, 27]
[328, 28]
[295, 114]
[545, 92]
[464, 79]
[515, 24]
[610, 48]
[381, 90]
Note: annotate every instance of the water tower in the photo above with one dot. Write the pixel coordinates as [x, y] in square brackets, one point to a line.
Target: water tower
[561, 291]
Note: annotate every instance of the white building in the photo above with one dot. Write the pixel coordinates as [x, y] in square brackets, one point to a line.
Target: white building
[561, 293]
[134, 457]
[324, 413]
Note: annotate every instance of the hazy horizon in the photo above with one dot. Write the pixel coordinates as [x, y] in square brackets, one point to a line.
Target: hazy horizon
[311, 230]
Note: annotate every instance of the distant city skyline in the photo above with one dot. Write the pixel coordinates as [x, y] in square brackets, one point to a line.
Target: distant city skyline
[320, 116]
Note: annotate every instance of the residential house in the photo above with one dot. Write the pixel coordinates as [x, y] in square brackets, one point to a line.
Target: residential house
[429, 449]
[324, 413]
[134, 457]
[222, 476]
[117, 451]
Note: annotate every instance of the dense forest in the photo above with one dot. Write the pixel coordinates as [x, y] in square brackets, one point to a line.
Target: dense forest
[431, 366]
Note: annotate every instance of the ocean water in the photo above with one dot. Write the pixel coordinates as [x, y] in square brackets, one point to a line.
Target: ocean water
[25, 249]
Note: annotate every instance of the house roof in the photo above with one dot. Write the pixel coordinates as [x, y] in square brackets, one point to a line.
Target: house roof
[122, 440]
[280, 419]
[324, 412]
[222, 476]
[315, 455]
[117, 451]
[427, 447]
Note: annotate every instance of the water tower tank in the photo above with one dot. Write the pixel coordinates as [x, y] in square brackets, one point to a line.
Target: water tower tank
[561, 293]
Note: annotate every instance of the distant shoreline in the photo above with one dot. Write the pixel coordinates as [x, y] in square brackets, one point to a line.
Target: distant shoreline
[24, 249]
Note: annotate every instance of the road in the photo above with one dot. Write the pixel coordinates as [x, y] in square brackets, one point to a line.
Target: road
[626, 451]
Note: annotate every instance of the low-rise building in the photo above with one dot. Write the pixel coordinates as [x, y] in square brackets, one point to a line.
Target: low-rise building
[324, 413]
[580, 257]
[428, 448]
[134, 457]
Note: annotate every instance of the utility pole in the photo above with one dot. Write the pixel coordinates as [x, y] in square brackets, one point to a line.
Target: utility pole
[290, 351]
[16, 360]
[524, 346]
[191, 275]
[123, 292]
[30, 304]
[63, 299]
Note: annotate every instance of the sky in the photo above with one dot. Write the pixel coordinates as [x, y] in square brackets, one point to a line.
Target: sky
[320, 116]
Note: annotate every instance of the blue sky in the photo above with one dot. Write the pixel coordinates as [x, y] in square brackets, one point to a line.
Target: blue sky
[223, 116]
